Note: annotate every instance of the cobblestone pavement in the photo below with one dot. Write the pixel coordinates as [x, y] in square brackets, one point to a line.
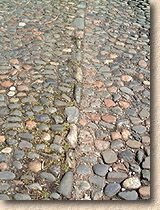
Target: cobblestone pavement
[75, 100]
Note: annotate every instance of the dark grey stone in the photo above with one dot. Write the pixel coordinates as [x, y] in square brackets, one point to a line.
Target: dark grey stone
[97, 181]
[58, 128]
[19, 154]
[116, 176]
[43, 118]
[139, 129]
[146, 174]
[57, 148]
[55, 196]
[109, 156]
[4, 197]
[4, 187]
[79, 23]
[83, 169]
[3, 157]
[35, 186]
[128, 195]
[146, 163]
[65, 187]
[7, 175]
[127, 155]
[112, 189]
[101, 169]
[72, 114]
[55, 170]
[27, 136]
[48, 176]
[20, 196]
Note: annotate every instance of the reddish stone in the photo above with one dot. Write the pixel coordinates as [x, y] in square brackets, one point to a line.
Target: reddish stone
[125, 134]
[109, 118]
[27, 67]
[3, 77]
[101, 145]
[2, 138]
[21, 94]
[141, 76]
[39, 38]
[3, 166]
[144, 192]
[35, 166]
[87, 30]
[116, 135]
[2, 91]
[142, 63]
[79, 34]
[90, 72]
[18, 182]
[7, 83]
[36, 32]
[31, 124]
[112, 89]
[99, 84]
[109, 103]
[126, 78]
[113, 55]
[146, 140]
[14, 61]
[83, 121]
[124, 104]
[95, 117]
[22, 88]
[14, 72]
[119, 167]
[85, 137]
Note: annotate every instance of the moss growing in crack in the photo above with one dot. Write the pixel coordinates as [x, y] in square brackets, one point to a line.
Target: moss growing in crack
[65, 167]
[71, 103]
[72, 63]
[1, 146]
[45, 194]
[48, 150]
[66, 146]
[31, 117]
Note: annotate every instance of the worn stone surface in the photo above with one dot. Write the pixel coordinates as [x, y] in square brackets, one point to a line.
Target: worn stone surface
[144, 192]
[100, 169]
[72, 135]
[65, 187]
[129, 195]
[112, 189]
[132, 183]
[109, 156]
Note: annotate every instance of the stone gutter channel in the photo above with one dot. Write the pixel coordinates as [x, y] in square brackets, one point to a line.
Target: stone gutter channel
[67, 182]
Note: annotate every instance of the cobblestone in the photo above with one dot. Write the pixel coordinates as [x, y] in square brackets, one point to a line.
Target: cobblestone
[74, 100]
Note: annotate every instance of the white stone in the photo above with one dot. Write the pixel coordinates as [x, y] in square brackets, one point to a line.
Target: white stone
[72, 136]
[46, 137]
[12, 88]
[79, 74]
[21, 24]
[132, 183]
[11, 93]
